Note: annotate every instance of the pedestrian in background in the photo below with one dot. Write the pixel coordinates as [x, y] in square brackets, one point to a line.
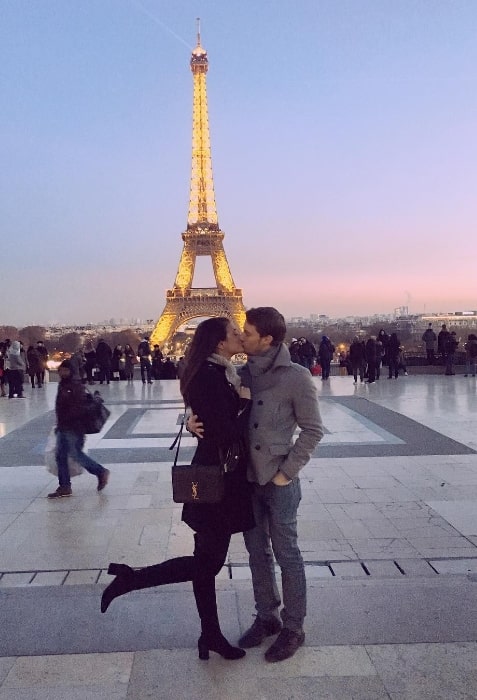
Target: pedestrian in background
[325, 353]
[470, 354]
[370, 350]
[16, 364]
[34, 366]
[3, 375]
[450, 350]
[393, 356]
[70, 411]
[144, 354]
[104, 358]
[357, 359]
[43, 353]
[130, 361]
[430, 339]
[90, 361]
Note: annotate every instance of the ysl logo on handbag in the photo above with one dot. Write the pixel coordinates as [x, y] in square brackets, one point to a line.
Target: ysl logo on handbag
[195, 493]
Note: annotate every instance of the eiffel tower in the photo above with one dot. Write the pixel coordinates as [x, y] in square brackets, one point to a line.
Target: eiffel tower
[203, 235]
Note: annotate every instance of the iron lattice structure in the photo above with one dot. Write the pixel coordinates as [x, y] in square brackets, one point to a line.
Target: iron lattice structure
[203, 235]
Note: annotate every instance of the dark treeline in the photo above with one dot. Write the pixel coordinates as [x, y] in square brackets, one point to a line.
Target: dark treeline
[29, 335]
[339, 333]
[69, 342]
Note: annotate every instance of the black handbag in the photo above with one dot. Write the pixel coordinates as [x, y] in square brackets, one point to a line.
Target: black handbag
[95, 415]
[196, 483]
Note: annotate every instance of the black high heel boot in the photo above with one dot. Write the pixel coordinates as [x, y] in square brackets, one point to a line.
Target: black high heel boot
[123, 583]
[220, 645]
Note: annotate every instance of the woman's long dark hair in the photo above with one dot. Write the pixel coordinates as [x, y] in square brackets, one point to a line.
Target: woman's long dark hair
[208, 335]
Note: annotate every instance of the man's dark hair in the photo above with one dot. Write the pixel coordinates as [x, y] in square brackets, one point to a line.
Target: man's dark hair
[268, 321]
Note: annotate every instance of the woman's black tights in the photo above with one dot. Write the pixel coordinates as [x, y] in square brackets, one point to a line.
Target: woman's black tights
[209, 556]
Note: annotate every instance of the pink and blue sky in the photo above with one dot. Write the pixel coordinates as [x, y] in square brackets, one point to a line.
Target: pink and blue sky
[344, 152]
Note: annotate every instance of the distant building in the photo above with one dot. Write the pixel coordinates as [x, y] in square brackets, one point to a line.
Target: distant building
[456, 318]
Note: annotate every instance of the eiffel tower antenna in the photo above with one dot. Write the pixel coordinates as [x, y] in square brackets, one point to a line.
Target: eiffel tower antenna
[203, 235]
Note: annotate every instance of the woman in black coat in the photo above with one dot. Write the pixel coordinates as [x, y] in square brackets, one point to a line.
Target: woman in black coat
[211, 388]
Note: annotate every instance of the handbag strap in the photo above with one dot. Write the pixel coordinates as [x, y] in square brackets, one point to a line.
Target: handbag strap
[177, 440]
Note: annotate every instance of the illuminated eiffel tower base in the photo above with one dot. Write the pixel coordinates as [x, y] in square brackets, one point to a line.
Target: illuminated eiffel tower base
[203, 235]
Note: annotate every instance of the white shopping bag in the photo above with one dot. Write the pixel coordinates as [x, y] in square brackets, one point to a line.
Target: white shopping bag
[74, 467]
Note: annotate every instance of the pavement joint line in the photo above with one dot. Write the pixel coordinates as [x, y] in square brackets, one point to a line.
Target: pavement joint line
[401, 568]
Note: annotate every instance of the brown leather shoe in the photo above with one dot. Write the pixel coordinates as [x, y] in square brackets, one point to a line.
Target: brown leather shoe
[285, 645]
[61, 492]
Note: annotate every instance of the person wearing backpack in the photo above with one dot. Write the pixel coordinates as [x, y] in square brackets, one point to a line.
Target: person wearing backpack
[70, 434]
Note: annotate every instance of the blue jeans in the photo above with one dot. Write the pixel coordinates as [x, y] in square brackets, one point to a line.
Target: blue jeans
[470, 366]
[450, 363]
[71, 444]
[275, 533]
[146, 368]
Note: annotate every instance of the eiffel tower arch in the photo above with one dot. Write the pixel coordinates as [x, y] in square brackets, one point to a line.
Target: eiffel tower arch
[203, 235]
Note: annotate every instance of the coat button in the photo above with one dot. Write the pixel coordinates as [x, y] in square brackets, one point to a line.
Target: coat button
[260, 403]
[255, 425]
[257, 447]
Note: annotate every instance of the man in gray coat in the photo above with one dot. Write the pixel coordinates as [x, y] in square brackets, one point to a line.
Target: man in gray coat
[284, 397]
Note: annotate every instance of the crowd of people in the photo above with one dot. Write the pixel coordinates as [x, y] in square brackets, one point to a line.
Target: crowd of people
[90, 364]
[446, 345]
[105, 364]
[15, 362]
[366, 358]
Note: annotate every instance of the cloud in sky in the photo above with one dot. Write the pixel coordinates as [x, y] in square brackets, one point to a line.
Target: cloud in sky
[343, 150]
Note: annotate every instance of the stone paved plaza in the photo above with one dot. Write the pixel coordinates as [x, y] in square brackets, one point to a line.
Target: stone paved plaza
[388, 529]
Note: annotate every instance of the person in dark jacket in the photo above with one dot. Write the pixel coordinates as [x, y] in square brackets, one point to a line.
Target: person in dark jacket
[470, 354]
[430, 339]
[357, 359]
[34, 366]
[3, 375]
[450, 349]
[156, 362]
[70, 410]
[383, 338]
[379, 356]
[104, 358]
[306, 353]
[393, 356]
[325, 353]
[144, 354]
[442, 340]
[118, 363]
[370, 351]
[131, 359]
[169, 370]
[211, 387]
[90, 361]
[43, 353]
